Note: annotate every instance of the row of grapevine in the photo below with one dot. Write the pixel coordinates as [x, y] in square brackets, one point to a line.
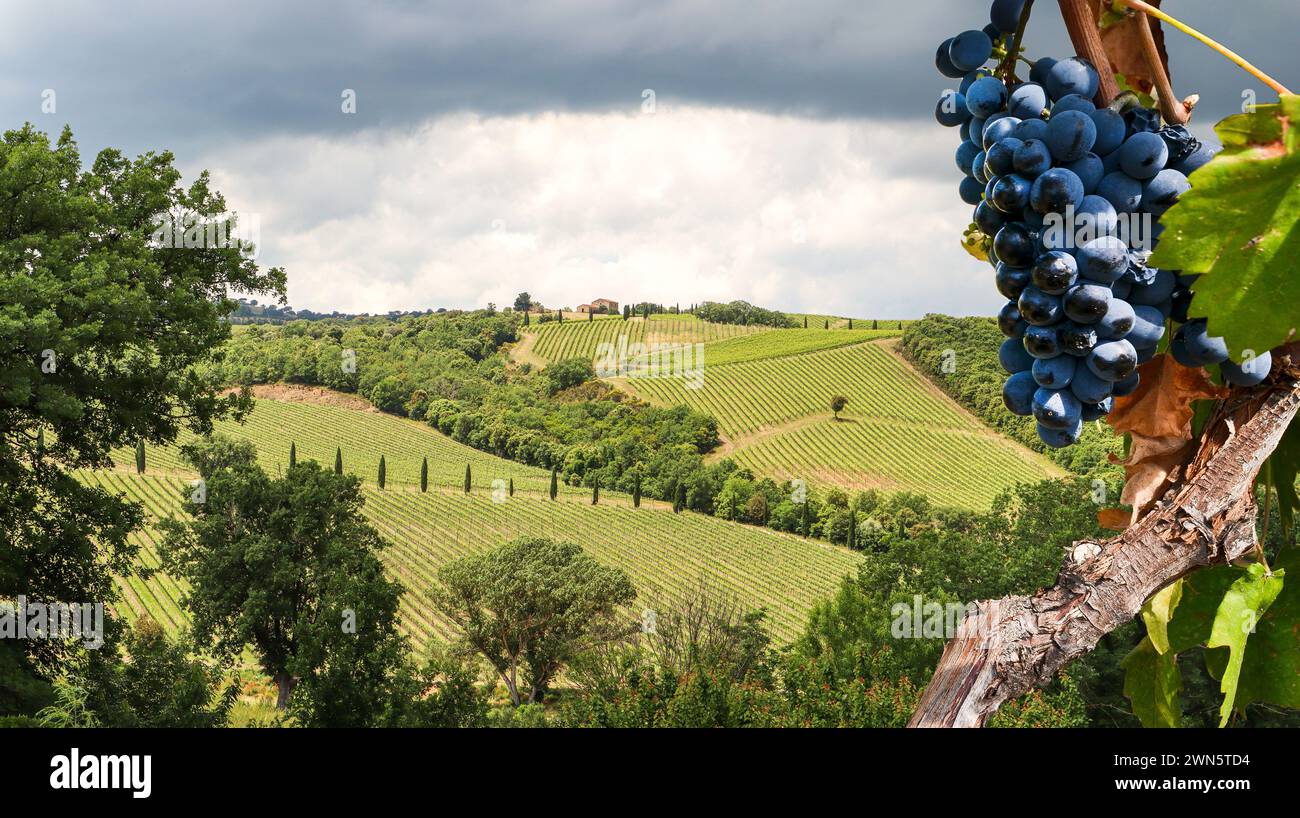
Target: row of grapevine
[570, 339]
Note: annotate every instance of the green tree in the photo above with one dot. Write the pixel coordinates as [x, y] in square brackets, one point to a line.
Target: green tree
[568, 373]
[530, 605]
[838, 402]
[383, 471]
[338, 461]
[805, 322]
[424, 475]
[636, 490]
[526, 321]
[850, 323]
[139, 457]
[595, 492]
[555, 483]
[298, 581]
[511, 488]
[106, 339]
[679, 498]
[522, 302]
[805, 519]
[469, 479]
[293, 454]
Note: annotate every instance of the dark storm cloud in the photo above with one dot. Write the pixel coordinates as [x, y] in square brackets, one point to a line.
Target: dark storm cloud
[141, 74]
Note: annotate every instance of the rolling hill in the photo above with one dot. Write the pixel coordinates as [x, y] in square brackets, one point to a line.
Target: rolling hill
[664, 553]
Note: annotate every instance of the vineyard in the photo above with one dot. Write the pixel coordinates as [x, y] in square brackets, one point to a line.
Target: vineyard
[897, 432]
[780, 343]
[666, 554]
[580, 339]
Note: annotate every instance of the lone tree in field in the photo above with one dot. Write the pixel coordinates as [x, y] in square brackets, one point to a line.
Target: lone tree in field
[636, 490]
[424, 475]
[139, 457]
[595, 492]
[511, 488]
[338, 461]
[850, 323]
[383, 471]
[838, 403]
[530, 605]
[298, 581]
[522, 302]
[469, 479]
[293, 454]
[555, 482]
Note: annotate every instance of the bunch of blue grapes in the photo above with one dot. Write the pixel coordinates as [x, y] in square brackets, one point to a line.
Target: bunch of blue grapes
[1084, 308]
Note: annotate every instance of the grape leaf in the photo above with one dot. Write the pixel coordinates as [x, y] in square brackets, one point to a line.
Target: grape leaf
[1283, 467]
[1157, 612]
[1236, 226]
[1271, 670]
[1154, 685]
[1238, 616]
[1162, 404]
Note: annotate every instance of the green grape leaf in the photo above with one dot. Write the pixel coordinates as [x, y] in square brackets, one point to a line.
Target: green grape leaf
[1271, 670]
[1157, 612]
[1199, 599]
[1236, 226]
[1283, 467]
[1237, 618]
[1154, 685]
[975, 242]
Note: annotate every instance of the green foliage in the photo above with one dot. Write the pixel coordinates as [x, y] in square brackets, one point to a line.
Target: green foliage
[1237, 226]
[424, 475]
[742, 312]
[383, 471]
[529, 605]
[568, 373]
[139, 457]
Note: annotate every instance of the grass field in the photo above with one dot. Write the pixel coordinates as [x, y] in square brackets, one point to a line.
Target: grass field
[665, 553]
[570, 339]
[897, 433]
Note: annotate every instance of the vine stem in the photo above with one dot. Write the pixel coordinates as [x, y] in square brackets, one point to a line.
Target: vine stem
[1008, 67]
[1147, 8]
[1175, 112]
[1081, 23]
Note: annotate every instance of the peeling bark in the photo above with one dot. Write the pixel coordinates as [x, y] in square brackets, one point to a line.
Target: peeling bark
[1013, 645]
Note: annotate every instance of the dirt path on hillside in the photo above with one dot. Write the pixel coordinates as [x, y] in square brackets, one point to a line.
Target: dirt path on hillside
[522, 351]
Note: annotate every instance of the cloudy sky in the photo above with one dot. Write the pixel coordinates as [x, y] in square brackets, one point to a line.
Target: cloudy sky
[675, 151]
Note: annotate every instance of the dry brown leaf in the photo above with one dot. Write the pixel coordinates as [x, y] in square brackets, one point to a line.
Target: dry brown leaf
[1150, 468]
[1161, 406]
[1123, 44]
[1115, 519]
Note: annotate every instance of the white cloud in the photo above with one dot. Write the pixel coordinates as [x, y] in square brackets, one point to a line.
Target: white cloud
[688, 204]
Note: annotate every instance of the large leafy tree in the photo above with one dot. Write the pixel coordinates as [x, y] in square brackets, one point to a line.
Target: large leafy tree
[289, 568]
[529, 606]
[100, 334]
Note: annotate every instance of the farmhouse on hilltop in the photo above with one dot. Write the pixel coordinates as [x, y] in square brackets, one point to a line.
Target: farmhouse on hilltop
[600, 305]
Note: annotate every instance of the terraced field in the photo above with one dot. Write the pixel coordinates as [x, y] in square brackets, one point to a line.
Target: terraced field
[897, 433]
[664, 553]
[569, 339]
[784, 342]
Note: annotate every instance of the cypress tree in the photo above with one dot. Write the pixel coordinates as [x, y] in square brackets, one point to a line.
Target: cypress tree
[679, 501]
[469, 479]
[383, 471]
[875, 324]
[826, 324]
[805, 322]
[595, 492]
[525, 318]
[734, 516]
[559, 316]
[807, 517]
[853, 529]
[555, 483]
[636, 492]
[424, 475]
[293, 454]
[338, 461]
[139, 457]
[850, 323]
[512, 487]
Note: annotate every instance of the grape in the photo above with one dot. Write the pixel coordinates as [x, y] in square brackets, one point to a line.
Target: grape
[1041, 68]
[1056, 190]
[971, 191]
[1148, 327]
[999, 158]
[1032, 218]
[1250, 372]
[1061, 438]
[1113, 360]
[966, 153]
[1097, 411]
[1127, 386]
[1010, 195]
[1158, 291]
[1118, 320]
[1121, 288]
[1073, 76]
[1039, 308]
[951, 109]
[1005, 15]
[975, 130]
[1076, 339]
[1032, 158]
[1013, 356]
[969, 50]
[1110, 131]
[1030, 129]
[1053, 373]
[988, 219]
[1195, 160]
[1145, 354]
[1073, 102]
[944, 63]
[1202, 347]
[1162, 190]
[1103, 259]
[1179, 302]
[1122, 191]
[1055, 272]
[971, 77]
[1090, 171]
[1070, 135]
[1018, 393]
[1012, 281]
[1097, 216]
[987, 95]
[1056, 408]
[1027, 101]
[997, 128]
[1085, 303]
[1143, 155]
[1014, 243]
[1042, 342]
[1010, 322]
[1089, 388]
[1110, 162]
[979, 167]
